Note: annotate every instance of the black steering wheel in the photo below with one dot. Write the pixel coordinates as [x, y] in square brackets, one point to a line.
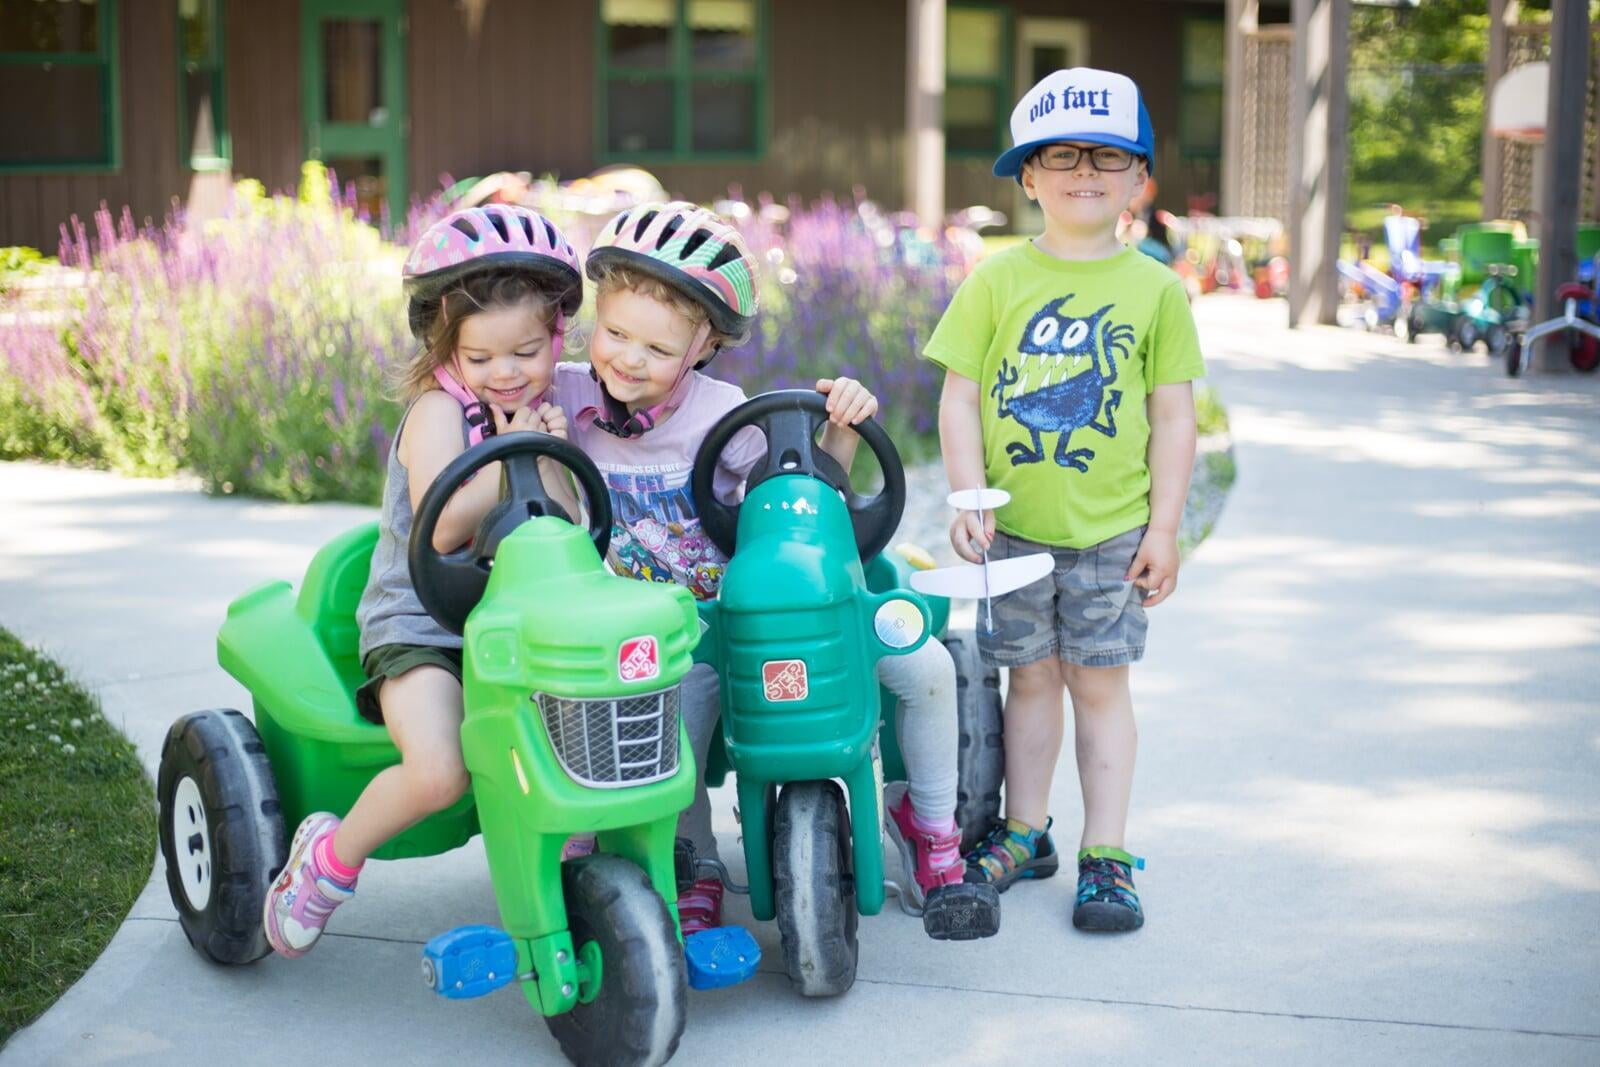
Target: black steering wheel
[451, 584]
[790, 418]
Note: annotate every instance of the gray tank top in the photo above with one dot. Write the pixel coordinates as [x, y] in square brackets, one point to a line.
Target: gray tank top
[389, 612]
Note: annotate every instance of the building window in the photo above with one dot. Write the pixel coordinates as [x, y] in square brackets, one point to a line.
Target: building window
[977, 76]
[682, 79]
[1200, 103]
[58, 85]
[202, 110]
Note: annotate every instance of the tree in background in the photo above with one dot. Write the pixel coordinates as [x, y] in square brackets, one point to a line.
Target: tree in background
[1416, 96]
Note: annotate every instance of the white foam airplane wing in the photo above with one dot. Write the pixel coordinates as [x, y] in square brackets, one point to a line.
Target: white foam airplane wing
[965, 581]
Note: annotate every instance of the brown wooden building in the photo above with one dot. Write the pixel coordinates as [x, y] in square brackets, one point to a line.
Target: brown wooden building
[127, 101]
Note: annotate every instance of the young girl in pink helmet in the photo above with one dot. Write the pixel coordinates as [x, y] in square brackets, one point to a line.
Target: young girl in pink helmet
[675, 284]
[490, 291]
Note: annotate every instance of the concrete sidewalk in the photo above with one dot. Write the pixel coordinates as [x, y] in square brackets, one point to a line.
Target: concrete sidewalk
[1367, 786]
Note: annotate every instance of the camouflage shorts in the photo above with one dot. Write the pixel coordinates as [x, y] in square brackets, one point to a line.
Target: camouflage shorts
[1083, 613]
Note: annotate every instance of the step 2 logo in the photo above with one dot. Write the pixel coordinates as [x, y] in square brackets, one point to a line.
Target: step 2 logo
[639, 659]
[784, 679]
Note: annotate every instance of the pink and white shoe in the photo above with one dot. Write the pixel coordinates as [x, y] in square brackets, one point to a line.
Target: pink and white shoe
[952, 910]
[303, 897]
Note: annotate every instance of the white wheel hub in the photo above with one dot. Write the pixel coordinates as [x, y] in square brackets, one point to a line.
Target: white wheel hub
[191, 843]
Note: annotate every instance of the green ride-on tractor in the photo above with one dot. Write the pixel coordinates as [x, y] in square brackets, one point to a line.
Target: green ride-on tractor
[795, 634]
[570, 683]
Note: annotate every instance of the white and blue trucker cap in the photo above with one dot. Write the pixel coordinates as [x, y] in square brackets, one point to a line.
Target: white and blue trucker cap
[1081, 104]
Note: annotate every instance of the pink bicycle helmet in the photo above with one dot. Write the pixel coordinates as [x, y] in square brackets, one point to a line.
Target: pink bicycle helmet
[479, 239]
[689, 248]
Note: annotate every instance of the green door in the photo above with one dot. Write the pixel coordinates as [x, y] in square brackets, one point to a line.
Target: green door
[352, 64]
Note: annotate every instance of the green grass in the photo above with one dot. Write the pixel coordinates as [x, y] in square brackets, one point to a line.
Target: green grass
[1210, 417]
[77, 832]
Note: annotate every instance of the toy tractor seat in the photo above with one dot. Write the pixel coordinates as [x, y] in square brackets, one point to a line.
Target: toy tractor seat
[298, 655]
[328, 597]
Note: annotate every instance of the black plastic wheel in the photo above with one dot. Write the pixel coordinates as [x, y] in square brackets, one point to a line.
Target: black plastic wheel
[1496, 338]
[981, 755]
[222, 833]
[1415, 322]
[638, 1016]
[1466, 334]
[1583, 351]
[815, 892]
[1515, 358]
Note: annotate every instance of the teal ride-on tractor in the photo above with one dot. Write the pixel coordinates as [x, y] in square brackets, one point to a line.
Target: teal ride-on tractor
[795, 634]
[572, 725]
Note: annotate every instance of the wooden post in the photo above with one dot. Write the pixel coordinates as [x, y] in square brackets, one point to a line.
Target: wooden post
[1501, 14]
[1240, 20]
[924, 160]
[1320, 118]
[1594, 164]
[1562, 185]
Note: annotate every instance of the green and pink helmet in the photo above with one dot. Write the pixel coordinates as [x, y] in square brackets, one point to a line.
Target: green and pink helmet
[689, 248]
[694, 252]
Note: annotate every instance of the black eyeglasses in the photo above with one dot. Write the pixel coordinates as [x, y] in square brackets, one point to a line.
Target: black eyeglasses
[1068, 156]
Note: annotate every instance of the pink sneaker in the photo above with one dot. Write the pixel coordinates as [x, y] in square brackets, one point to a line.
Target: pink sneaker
[932, 855]
[577, 845]
[951, 909]
[700, 906]
[304, 896]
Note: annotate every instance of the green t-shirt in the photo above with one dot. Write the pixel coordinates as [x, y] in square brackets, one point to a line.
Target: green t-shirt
[1065, 353]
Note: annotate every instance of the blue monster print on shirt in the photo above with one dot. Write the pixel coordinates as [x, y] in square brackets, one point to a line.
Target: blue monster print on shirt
[1049, 394]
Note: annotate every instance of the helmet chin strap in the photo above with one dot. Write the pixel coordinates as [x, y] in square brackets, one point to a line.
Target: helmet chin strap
[620, 422]
[480, 420]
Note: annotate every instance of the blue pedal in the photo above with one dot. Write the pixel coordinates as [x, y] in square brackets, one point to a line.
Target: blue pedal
[721, 956]
[469, 961]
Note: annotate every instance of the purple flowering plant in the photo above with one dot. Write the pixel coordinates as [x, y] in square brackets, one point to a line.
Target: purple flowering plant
[248, 349]
[253, 349]
[847, 290]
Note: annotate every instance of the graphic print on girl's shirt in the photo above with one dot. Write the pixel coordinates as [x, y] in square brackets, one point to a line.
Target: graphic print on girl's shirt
[655, 525]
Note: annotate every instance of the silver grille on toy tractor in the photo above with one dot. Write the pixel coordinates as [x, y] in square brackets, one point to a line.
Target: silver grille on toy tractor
[612, 744]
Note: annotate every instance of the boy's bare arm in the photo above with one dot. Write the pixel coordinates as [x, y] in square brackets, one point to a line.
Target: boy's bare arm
[961, 442]
[1170, 455]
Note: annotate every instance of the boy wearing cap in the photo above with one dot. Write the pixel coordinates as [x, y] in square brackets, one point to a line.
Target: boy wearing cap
[1068, 365]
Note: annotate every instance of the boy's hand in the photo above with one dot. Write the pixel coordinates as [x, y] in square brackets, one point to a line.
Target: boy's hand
[553, 420]
[971, 535]
[848, 400]
[1155, 566]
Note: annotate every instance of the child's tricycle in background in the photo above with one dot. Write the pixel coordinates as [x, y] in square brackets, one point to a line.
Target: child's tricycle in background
[1579, 322]
[796, 634]
[1477, 298]
[1378, 294]
[1419, 279]
[572, 725]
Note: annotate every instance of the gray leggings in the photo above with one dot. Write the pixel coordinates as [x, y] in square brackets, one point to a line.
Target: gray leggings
[925, 724]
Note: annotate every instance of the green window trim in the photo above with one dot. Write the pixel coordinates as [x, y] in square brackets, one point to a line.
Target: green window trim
[680, 76]
[1196, 87]
[222, 159]
[107, 58]
[999, 83]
